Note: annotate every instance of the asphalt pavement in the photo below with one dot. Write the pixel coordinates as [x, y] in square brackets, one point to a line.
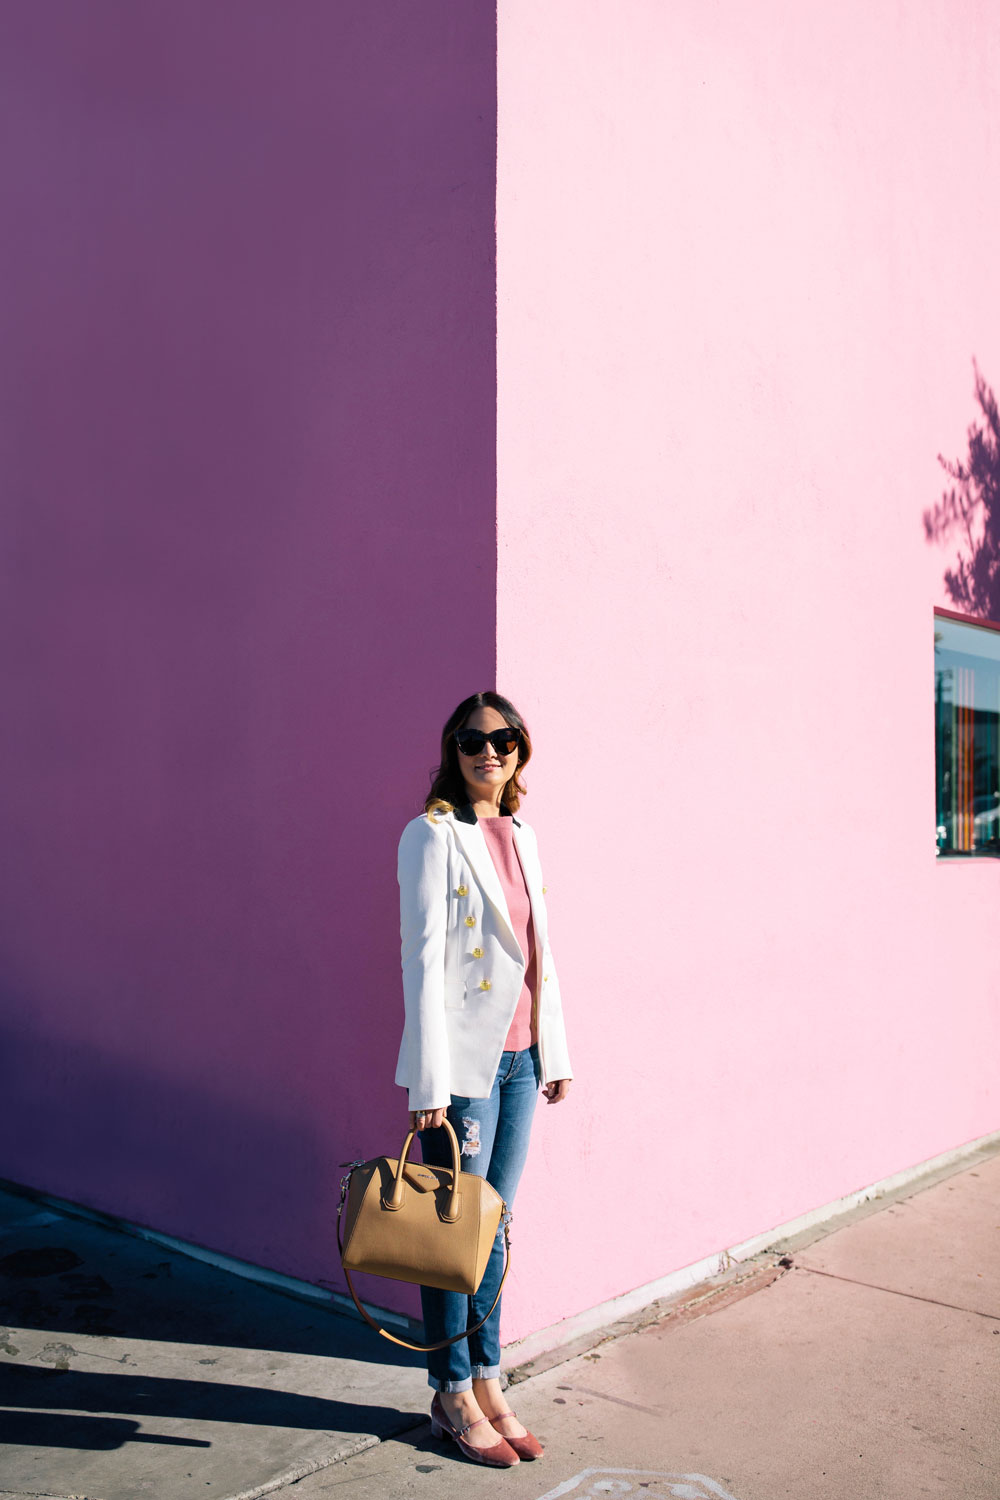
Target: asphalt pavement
[859, 1362]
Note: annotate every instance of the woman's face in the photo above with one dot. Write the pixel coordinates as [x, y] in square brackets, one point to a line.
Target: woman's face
[486, 774]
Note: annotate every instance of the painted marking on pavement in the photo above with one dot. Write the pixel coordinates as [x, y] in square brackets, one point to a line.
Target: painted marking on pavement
[644, 1484]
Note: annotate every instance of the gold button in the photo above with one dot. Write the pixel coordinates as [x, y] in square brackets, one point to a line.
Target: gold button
[477, 952]
[485, 984]
[544, 889]
[463, 890]
[545, 979]
[470, 921]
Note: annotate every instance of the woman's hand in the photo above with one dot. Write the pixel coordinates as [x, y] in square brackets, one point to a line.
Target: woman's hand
[556, 1091]
[426, 1119]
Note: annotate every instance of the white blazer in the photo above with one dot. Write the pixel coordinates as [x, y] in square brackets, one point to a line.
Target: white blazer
[463, 969]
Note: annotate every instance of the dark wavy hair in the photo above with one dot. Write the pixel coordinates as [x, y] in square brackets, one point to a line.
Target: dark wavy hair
[448, 789]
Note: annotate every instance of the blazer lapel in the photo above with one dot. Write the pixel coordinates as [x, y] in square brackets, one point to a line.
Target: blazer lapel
[473, 843]
[533, 882]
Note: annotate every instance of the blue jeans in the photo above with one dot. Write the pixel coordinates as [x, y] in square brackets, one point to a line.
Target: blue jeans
[493, 1134]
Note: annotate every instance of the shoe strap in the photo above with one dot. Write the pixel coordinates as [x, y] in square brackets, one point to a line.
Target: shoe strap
[469, 1425]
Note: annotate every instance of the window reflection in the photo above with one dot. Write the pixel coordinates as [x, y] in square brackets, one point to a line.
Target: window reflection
[967, 737]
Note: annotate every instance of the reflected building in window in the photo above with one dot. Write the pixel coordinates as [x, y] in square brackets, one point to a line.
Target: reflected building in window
[967, 735]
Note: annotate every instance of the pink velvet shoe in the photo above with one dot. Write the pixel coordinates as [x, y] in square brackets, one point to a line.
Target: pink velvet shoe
[525, 1447]
[500, 1456]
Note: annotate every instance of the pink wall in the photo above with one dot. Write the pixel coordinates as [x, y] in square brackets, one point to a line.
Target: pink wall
[745, 258]
[249, 427]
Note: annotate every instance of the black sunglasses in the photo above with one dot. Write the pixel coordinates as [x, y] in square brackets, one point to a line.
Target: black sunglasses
[472, 741]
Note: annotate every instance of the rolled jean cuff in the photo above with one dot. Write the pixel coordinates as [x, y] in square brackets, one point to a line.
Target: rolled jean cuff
[486, 1372]
[450, 1387]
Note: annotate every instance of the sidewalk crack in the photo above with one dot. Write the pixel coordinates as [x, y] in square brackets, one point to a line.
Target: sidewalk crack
[653, 1411]
[895, 1292]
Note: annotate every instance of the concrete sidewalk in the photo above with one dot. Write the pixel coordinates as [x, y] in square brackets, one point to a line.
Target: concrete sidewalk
[859, 1361]
[127, 1369]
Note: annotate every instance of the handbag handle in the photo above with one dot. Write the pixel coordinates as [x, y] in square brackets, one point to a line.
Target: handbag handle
[453, 1212]
[442, 1343]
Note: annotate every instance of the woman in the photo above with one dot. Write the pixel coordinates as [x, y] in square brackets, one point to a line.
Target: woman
[483, 1029]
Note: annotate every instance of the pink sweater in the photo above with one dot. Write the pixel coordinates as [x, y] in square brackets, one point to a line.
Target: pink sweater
[499, 835]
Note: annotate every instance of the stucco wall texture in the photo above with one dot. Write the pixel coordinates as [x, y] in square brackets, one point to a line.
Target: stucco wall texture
[745, 259]
[296, 454]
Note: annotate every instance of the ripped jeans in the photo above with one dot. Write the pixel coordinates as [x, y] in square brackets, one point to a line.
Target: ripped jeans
[493, 1135]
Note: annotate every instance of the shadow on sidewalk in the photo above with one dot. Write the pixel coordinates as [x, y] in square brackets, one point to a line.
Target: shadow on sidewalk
[98, 1434]
[26, 1386]
[74, 1277]
[204, 1346]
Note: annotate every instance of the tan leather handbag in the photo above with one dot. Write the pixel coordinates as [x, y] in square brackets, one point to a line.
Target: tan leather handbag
[433, 1226]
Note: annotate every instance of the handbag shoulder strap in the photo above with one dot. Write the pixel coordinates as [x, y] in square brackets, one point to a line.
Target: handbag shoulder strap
[442, 1343]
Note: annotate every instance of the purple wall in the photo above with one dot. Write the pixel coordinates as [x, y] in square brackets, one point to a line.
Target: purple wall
[248, 561]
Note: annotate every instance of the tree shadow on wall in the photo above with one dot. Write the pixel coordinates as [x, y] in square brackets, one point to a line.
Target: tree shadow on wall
[970, 509]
